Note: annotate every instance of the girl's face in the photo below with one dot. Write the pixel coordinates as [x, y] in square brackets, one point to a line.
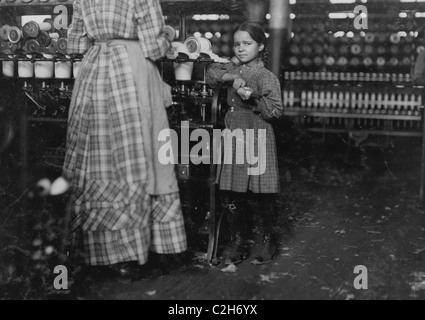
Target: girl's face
[246, 48]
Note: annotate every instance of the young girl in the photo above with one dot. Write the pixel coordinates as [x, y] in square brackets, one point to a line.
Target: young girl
[254, 98]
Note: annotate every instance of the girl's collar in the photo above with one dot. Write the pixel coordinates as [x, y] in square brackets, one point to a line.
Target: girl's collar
[258, 63]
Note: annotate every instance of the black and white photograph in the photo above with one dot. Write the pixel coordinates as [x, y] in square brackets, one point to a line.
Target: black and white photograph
[212, 154]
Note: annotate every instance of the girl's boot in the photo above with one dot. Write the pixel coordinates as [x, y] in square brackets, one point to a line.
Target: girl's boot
[265, 247]
[236, 251]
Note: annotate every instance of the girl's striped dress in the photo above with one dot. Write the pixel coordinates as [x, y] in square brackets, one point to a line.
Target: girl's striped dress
[246, 115]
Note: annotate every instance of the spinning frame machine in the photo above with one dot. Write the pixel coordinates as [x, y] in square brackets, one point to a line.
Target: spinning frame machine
[351, 95]
[339, 79]
[35, 64]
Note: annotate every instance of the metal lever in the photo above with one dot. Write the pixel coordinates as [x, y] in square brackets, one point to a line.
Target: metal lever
[34, 101]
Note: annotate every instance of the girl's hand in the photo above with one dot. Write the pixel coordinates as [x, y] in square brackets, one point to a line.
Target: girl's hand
[239, 83]
[245, 93]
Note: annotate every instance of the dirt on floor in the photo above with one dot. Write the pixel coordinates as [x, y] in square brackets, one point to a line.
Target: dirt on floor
[360, 211]
[352, 212]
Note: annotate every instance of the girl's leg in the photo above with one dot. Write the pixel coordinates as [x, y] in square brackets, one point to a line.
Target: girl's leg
[266, 229]
[235, 210]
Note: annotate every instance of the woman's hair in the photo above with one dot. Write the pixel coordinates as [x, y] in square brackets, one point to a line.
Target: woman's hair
[258, 34]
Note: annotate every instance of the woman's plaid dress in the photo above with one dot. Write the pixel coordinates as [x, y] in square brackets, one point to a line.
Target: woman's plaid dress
[123, 205]
[267, 104]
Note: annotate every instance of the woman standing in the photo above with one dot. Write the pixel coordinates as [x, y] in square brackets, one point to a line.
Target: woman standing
[124, 203]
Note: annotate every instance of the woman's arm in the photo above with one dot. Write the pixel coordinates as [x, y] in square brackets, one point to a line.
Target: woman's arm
[78, 40]
[150, 28]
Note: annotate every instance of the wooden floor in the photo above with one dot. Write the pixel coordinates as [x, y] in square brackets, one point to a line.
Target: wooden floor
[374, 222]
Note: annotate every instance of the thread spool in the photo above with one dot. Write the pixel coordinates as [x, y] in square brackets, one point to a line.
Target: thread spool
[44, 39]
[296, 38]
[14, 35]
[369, 38]
[318, 61]
[8, 68]
[395, 38]
[331, 50]
[31, 30]
[357, 38]
[355, 62]
[306, 62]
[368, 49]
[193, 45]
[205, 45]
[170, 33]
[407, 50]
[382, 37]
[356, 49]
[197, 45]
[380, 61]
[63, 68]
[26, 67]
[306, 49]
[330, 61]
[343, 50]
[62, 45]
[52, 47]
[342, 62]
[76, 68]
[3, 45]
[44, 69]
[32, 46]
[394, 50]
[183, 71]
[382, 50]
[4, 32]
[407, 62]
[12, 47]
[295, 49]
[394, 62]
[320, 38]
[294, 61]
[367, 61]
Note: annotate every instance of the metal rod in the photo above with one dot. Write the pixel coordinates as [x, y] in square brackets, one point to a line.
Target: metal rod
[421, 194]
[24, 146]
[279, 26]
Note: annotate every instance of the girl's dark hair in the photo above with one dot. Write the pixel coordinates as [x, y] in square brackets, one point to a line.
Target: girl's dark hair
[258, 34]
